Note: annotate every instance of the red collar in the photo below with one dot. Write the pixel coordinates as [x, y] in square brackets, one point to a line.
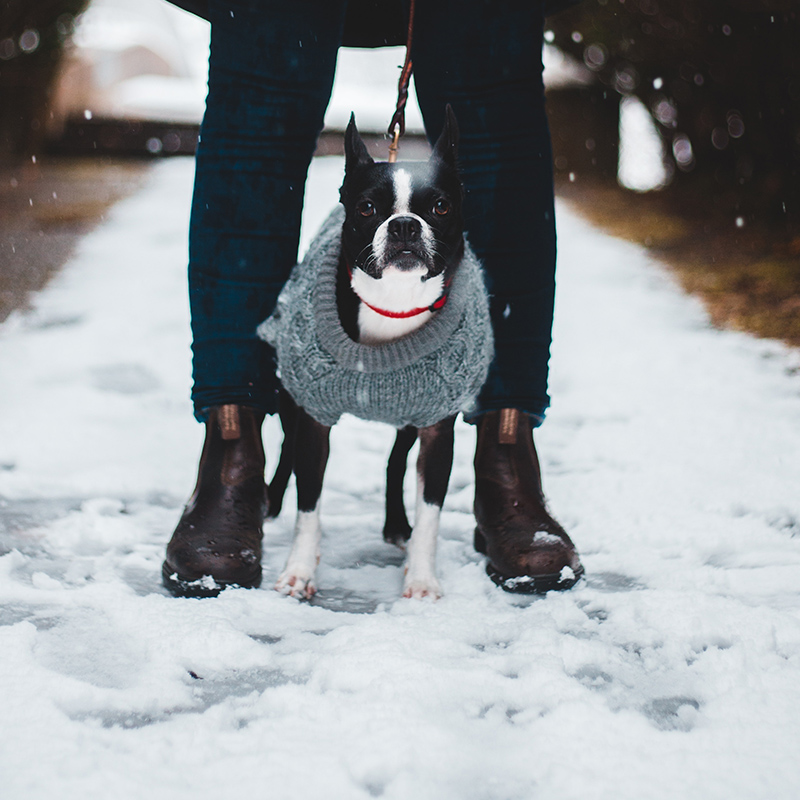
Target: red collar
[414, 312]
[406, 314]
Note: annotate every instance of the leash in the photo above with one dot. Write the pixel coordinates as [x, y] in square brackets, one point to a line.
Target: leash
[397, 127]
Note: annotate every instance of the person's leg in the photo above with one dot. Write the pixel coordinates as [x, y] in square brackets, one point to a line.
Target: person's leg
[484, 58]
[270, 76]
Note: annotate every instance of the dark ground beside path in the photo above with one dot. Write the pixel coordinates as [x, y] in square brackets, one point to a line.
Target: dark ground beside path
[45, 207]
[748, 277]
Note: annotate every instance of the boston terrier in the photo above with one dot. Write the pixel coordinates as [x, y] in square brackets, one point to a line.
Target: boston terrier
[400, 250]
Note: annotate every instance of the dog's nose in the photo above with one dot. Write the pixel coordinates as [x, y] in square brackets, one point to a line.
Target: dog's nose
[404, 229]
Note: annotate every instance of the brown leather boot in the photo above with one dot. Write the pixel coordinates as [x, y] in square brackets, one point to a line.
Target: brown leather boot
[218, 539]
[529, 552]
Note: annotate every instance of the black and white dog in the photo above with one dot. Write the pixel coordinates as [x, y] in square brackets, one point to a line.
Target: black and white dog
[402, 243]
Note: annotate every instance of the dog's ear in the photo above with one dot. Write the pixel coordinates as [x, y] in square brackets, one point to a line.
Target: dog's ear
[355, 150]
[446, 147]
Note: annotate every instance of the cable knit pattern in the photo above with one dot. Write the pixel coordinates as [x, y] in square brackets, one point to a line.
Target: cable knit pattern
[432, 373]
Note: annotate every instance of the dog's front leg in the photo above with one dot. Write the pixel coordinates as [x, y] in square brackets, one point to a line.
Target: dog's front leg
[312, 445]
[434, 465]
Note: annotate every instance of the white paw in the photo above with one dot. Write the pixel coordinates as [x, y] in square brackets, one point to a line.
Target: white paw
[422, 587]
[300, 586]
[297, 578]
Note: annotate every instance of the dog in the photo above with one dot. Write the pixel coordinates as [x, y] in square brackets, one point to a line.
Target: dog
[401, 334]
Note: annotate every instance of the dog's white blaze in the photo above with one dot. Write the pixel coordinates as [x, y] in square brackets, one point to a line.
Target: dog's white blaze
[420, 580]
[297, 577]
[402, 192]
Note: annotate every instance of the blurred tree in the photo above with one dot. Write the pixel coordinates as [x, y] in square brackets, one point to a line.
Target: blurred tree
[722, 80]
[32, 38]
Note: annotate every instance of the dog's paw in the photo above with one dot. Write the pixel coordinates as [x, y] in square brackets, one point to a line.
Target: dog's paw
[301, 587]
[422, 587]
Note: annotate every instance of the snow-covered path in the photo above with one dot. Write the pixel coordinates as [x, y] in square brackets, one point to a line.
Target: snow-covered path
[672, 454]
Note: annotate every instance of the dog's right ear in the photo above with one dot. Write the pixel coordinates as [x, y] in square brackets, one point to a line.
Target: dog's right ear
[446, 147]
[355, 151]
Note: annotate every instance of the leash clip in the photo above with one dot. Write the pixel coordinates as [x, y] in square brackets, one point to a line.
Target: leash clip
[394, 145]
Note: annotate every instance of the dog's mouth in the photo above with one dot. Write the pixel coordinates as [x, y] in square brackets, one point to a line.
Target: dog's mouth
[404, 259]
[408, 260]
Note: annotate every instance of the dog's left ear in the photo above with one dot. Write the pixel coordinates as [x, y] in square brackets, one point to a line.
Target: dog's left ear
[355, 151]
[446, 147]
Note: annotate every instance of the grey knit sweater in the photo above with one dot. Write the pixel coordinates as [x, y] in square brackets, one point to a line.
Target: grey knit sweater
[427, 375]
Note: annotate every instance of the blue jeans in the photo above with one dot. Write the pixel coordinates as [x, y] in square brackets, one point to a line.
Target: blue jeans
[270, 78]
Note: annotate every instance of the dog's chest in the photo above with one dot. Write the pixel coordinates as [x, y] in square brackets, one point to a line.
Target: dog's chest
[417, 380]
[375, 329]
[393, 306]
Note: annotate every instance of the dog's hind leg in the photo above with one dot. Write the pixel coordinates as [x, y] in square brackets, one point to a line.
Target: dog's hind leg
[434, 465]
[312, 445]
[277, 486]
[396, 529]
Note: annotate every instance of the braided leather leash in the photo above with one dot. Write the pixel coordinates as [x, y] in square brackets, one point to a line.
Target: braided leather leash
[397, 127]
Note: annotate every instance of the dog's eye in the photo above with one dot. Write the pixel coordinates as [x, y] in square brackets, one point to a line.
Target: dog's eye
[441, 207]
[366, 208]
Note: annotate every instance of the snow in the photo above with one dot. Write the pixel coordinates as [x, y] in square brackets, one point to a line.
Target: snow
[366, 84]
[147, 60]
[642, 166]
[150, 61]
[672, 670]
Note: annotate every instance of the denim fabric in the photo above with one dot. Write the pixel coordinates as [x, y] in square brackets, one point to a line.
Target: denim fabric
[270, 77]
[271, 71]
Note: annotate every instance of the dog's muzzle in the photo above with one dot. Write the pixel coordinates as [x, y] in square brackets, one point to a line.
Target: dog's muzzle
[404, 243]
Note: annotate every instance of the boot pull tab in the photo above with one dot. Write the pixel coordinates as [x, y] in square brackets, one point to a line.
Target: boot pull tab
[509, 419]
[229, 424]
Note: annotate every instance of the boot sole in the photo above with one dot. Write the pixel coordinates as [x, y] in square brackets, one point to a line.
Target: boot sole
[206, 586]
[533, 584]
[527, 584]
